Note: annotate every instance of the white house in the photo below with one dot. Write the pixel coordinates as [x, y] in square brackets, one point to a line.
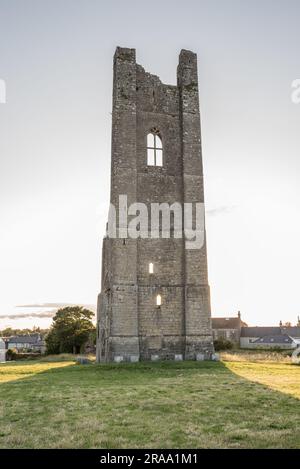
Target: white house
[25, 343]
[283, 341]
[2, 350]
[277, 337]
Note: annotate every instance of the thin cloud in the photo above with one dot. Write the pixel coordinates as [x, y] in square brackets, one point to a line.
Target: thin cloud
[57, 305]
[45, 314]
[223, 210]
[43, 305]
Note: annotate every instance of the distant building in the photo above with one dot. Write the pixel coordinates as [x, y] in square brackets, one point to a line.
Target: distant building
[228, 328]
[26, 343]
[282, 341]
[255, 337]
[2, 350]
[293, 332]
[250, 334]
[237, 331]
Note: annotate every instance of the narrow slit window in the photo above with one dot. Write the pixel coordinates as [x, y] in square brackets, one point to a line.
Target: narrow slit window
[151, 268]
[158, 300]
[154, 149]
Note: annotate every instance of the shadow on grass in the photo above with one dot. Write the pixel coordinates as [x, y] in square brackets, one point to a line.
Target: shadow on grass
[166, 404]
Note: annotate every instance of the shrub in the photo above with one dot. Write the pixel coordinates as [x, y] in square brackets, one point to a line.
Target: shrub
[222, 344]
[11, 354]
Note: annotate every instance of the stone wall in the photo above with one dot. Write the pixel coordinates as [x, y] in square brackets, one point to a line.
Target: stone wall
[130, 325]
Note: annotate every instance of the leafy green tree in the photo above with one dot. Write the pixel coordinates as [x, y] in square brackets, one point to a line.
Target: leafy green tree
[70, 330]
[10, 331]
[52, 342]
[11, 354]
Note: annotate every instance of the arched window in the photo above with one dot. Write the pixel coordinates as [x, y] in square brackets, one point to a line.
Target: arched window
[154, 149]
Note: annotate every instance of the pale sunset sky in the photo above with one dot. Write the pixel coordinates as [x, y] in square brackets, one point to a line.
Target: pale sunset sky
[55, 134]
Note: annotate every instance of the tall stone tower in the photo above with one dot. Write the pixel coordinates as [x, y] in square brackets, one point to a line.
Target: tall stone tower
[155, 300]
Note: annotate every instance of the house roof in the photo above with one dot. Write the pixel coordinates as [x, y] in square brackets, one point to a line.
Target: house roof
[260, 331]
[292, 331]
[274, 339]
[226, 323]
[25, 339]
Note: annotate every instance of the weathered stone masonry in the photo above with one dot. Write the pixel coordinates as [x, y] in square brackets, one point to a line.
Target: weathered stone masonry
[130, 325]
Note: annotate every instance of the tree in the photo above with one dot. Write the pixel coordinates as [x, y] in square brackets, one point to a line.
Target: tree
[8, 332]
[70, 330]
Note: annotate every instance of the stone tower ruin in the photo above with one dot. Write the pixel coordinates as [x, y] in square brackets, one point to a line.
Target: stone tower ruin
[155, 300]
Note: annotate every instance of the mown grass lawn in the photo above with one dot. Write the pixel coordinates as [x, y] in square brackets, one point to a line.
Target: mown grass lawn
[229, 404]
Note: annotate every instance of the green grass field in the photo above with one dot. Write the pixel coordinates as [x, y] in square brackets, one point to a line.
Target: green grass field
[231, 404]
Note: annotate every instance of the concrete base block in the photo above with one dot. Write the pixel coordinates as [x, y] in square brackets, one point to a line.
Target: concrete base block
[154, 358]
[118, 359]
[200, 357]
[134, 358]
[178, 358]
[215, 357]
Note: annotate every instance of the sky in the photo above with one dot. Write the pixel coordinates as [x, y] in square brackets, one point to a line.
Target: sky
[55, 135]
